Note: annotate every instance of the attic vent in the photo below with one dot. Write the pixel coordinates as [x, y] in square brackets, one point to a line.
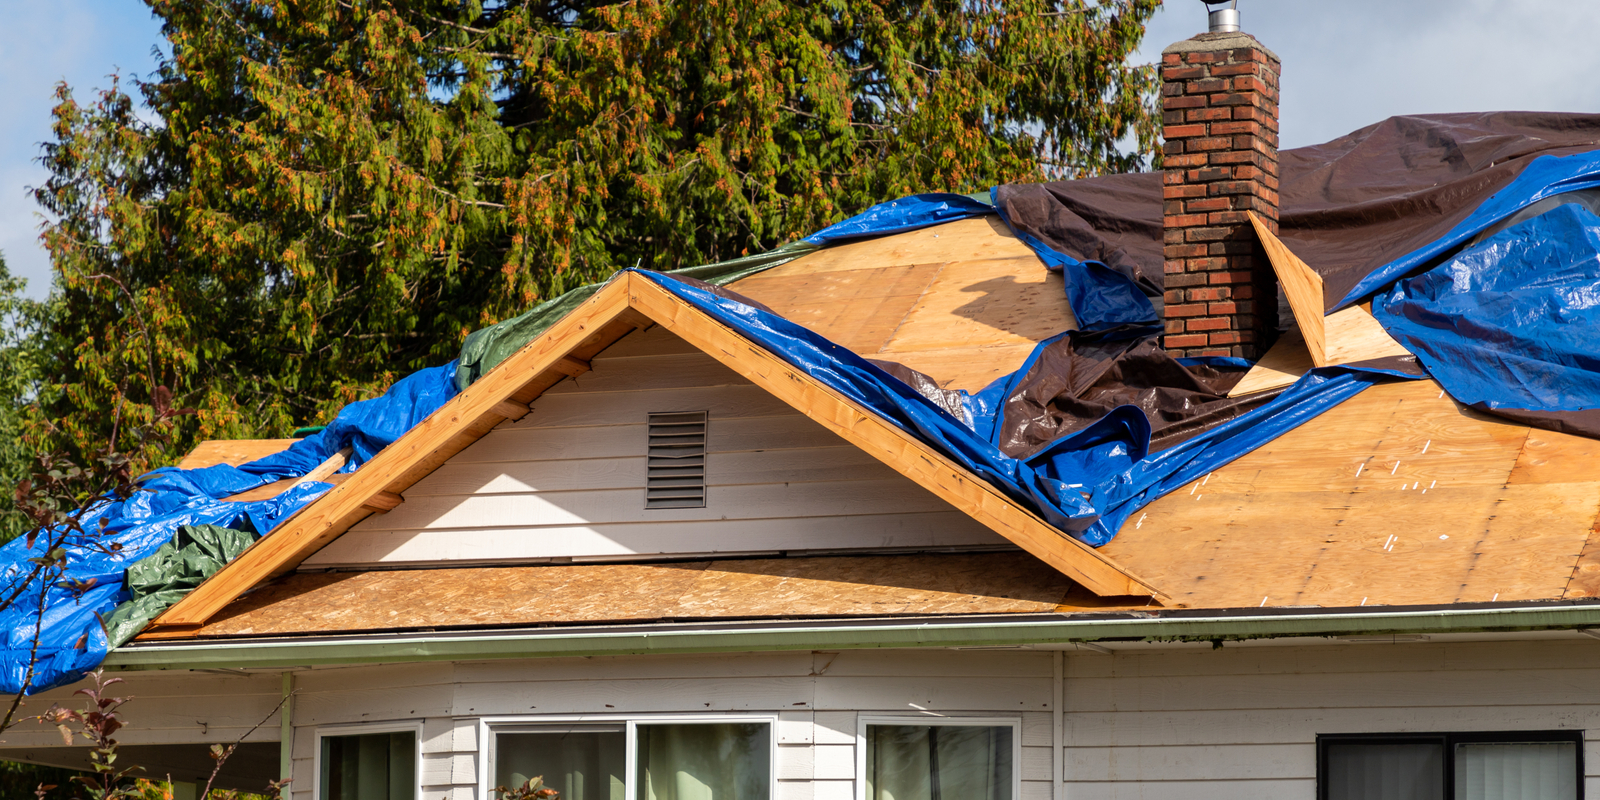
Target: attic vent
[677, 468]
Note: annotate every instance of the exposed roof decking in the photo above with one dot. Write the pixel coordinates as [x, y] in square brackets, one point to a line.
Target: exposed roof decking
[1490, 511]
[963, 302]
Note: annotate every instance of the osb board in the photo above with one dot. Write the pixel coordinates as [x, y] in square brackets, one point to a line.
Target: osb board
[1353, 334]
[573, 594]
[962, 240]
[1397, 496]
[963, 302]
[238, 451]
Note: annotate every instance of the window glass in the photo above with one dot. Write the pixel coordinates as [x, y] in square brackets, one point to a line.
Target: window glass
[369, 766]
[1517, 771]
[1386, 771]
[939, 762]
[580, 762]
[704, 761]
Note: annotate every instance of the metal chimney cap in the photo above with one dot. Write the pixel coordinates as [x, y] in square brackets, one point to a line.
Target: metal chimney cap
[1223, 20]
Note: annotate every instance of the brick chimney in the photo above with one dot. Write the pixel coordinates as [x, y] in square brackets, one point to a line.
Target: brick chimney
[1219, 99]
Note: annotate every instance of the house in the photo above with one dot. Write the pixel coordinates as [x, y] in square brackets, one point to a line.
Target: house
[654, 554]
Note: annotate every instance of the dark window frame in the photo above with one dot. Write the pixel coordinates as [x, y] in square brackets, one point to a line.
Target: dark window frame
[1448, 740]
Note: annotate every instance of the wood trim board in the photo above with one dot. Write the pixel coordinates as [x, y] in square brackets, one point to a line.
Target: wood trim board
[627, 303]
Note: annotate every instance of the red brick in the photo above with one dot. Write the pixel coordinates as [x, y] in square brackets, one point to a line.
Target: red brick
[1251, 173]
[1222, 352]
[1208, 114]
[1209, 234]
[1233, 99]
[1171, 296]
[1206, 294]
[1241, 293]
[1210, 143]
[1227, 218]
[1251, 54]
[1184, 221]
[1234, 187]
[1183, 73]
[1203, 57]
[1171, 58]
[1172, 148]
[1222, 309]
[1187, 160]
[1249, 83]
[1186, 310]
[1172, 117]
[1185, 251]
[1174, 326]
[1237, 157]
[1231, 277]
[1184, 279]
[1206, 86]
[1172, 236]
[1176, 192]
[1236, 247]
[1172, 178]
[1183, 131]
[1207, 204]
[1223, 337]
[1171, 89]
[1264, 116]
[1209, 324]
[1206, 264]
[1228, 70]
[1208, 174]
[1183, 102]
[1186, 340]
[1226, 128]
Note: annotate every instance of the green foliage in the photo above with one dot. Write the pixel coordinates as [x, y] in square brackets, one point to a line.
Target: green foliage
[326, 194]
[20, 320]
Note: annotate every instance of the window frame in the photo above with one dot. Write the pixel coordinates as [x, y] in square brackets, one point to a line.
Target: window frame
[360, 729]
[864, 720]
[1449, 740]
[530, 723]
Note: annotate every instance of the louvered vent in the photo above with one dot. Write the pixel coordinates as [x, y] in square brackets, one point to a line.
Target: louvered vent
[677, 471]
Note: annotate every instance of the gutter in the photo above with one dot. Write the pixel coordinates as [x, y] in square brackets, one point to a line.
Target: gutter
[1019, 630]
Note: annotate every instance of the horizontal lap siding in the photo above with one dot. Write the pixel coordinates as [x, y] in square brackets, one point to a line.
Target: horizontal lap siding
[1242, 722]
[567, 480]
[816, 735]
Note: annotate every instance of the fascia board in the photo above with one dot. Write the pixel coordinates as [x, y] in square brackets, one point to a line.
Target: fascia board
[423, 647]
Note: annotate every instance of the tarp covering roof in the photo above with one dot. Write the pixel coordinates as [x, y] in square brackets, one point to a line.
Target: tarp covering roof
[1364, 210]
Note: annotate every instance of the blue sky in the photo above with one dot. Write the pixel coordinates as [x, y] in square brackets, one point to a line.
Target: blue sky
[1346, 64]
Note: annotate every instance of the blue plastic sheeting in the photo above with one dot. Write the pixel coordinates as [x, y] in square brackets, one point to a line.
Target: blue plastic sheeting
[72, 641]
[1543, 177]
[1100, 297]
[899, 216]
[1513, 322]
[1085, 483]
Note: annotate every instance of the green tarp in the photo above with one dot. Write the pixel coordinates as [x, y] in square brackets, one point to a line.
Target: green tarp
[165, 576]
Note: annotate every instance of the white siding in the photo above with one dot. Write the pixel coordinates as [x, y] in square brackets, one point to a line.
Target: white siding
[567, 481]
[1242, 722]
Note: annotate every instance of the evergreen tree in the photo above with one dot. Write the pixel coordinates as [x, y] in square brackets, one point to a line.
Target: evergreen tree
[323, 195]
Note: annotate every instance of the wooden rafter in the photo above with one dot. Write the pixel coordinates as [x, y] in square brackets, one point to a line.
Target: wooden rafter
[628, 303]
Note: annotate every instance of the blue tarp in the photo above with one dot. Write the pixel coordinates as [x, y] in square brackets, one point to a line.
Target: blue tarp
[1505, 321]
[1544, 176]
[72, 640]
[1514, 321]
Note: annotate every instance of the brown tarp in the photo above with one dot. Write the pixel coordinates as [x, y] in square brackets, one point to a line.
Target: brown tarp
[1347, 207]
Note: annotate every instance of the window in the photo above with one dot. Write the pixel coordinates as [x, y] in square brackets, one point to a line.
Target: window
[367, 764]
[951, 758]
[700, 758]
[1540, 765]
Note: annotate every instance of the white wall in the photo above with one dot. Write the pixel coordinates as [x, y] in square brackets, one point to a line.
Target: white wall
[567, 480]
[1192, 723]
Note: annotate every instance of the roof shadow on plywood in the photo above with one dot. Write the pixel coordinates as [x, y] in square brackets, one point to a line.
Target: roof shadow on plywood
[909, 298]
[630, 302]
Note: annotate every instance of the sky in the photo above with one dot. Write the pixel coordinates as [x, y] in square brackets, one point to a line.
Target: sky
[1346, 64]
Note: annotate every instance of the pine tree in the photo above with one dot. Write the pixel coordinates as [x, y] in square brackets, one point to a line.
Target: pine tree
[322, 195]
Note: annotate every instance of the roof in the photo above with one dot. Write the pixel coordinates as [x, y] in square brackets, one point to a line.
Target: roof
[1399, 496]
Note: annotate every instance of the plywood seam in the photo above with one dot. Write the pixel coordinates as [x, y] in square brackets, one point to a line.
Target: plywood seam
[932, 279]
